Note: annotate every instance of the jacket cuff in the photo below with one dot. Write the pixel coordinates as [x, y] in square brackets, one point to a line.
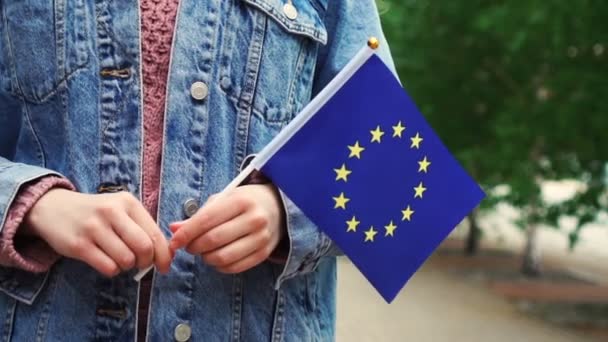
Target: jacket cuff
[19, 284]
[23, 252]
[302, 248]
[307, 244]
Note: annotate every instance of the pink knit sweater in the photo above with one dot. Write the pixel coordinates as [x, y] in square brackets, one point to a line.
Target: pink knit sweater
[158, 20]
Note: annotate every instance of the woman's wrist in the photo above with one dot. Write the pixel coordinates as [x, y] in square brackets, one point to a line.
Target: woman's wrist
[43, 195]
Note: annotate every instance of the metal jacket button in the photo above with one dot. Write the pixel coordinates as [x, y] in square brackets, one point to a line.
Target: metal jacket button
[183, 332]
[199, 90]
[290, 11]
[190, 207]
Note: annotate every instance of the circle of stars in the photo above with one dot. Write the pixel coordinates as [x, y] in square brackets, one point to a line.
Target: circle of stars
[356, 152]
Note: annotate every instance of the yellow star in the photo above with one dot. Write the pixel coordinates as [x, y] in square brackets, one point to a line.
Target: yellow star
[342, 173]
[420, 189]
[424, 165]
[352, 225]
[355, 150]
[341, 201]
[390, 229]
[416, 141]
[398, 130]
[407, 214]
[377, 134]
[370, 234]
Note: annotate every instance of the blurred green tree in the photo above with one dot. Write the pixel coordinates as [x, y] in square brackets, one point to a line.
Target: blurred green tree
[516, 90]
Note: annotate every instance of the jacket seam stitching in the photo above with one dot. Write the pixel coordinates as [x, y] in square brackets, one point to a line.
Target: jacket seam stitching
[10, 319]
[247, 96]
[237, 311]
[279, 319]
[46, 313]
[28, 118]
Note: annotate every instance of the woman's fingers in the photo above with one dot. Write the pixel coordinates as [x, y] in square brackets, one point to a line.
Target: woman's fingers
[235, 230]
[220, 236]
[246, 263]
[239, 249]
[175, 226]
[162, 256]
[221, 208]
[115, 248]
[99, 260]
[110, 232]
[136, 239]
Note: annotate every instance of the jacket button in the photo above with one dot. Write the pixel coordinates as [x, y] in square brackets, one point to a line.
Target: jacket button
[199, 90]
[290, 11]
[190, 207]
[183, 332]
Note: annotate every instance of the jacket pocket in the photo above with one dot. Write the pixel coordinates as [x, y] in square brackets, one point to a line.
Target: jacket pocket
[47, 43]
[268, 55]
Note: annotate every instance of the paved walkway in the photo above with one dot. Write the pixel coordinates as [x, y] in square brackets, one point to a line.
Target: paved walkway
[437, 306]
[588, 260]
[434, 306]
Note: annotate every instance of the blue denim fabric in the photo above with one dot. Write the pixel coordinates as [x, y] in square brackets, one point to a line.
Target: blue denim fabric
[64, 110]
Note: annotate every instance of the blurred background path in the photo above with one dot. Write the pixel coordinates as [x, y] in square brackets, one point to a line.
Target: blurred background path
[455, 298]
[434, 306]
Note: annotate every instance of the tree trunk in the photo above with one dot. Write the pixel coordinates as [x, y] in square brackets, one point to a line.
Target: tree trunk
[531, 266]
[472, 244]
[531, 263]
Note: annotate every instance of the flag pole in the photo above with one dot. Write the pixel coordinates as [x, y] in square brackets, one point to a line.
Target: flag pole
[300, 120]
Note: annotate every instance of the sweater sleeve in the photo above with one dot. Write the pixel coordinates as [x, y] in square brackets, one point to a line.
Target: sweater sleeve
[24, 252]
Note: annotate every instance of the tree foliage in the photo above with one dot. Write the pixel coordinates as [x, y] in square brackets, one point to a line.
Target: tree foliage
[515, 89]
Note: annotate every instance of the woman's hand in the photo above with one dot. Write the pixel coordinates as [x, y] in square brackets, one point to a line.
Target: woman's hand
[110, 232]
[234, 231]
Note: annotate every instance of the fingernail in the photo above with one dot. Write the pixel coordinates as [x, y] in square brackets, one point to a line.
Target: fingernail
[175, 226]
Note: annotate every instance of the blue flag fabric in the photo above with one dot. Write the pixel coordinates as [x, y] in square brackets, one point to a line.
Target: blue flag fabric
[370, 172]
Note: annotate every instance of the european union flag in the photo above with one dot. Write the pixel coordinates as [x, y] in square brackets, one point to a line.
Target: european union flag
[367, 168]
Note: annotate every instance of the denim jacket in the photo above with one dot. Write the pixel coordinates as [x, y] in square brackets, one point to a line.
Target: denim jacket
[71, 104]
